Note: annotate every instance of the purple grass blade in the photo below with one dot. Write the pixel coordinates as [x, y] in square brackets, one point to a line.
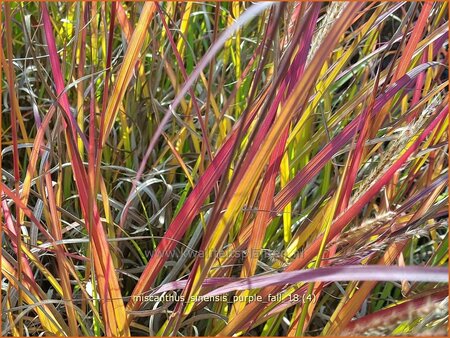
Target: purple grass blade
[340, 274]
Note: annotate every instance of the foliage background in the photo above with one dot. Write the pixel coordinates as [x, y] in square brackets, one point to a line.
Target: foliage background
[178, 147]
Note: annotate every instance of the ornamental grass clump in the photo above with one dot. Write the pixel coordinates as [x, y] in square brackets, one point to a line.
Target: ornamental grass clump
[224, 168]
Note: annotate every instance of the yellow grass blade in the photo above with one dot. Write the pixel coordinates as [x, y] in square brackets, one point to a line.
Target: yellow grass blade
[50, 319]
[127, 69]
